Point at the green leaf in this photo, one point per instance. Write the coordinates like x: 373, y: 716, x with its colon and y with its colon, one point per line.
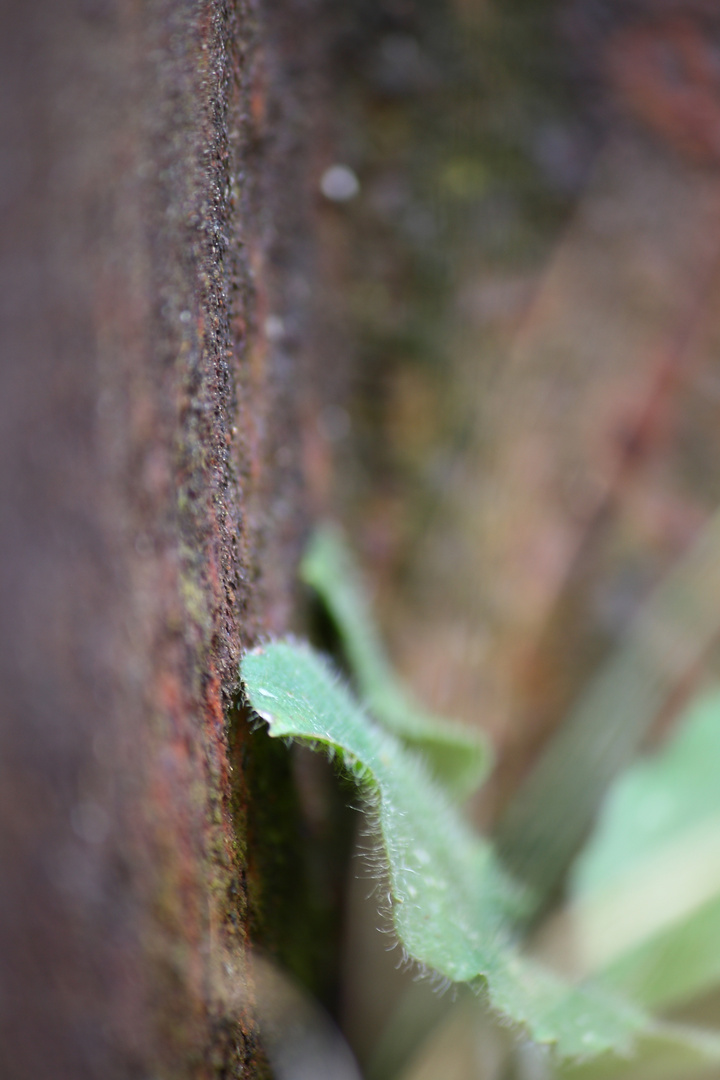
x: 646, y: 891
x: 452, y: 905
x: 664, y: 1052
x: 460, y: 758
x: 674, y: 965
x: 658, y: 800
x: 663, y: 649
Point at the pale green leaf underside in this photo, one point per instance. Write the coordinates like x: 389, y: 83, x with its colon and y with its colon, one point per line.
x: 452, y: 905
x: 460, y: 758
x: 646, y: 891
x: 658, y: 799
x: 663, y: 1052
x: 662, y: 650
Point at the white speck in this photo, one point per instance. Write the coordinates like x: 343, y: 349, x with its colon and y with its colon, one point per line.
x: 422, y: 856
x: 274, y: 328
x: 411, y: 891
x: 185, y: 316
x: 266, y: 693
x: 339, y: 183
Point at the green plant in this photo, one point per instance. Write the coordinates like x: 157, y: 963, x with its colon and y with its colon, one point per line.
x: 455, y: 908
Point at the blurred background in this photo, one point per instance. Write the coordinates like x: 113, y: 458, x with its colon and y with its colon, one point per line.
x: 519, y: 206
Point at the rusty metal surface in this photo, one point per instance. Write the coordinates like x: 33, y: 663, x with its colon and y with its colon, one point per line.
x: 148, y: 529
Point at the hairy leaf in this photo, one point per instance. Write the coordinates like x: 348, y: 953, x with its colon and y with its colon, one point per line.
x: 460, y: 758
x: 452, y: 905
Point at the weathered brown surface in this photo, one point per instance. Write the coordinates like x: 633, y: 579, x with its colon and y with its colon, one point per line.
x: 141, y: 419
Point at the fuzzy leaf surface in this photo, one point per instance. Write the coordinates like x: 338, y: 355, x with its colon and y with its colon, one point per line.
x: 460, y: 758
x: 453, y: 906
